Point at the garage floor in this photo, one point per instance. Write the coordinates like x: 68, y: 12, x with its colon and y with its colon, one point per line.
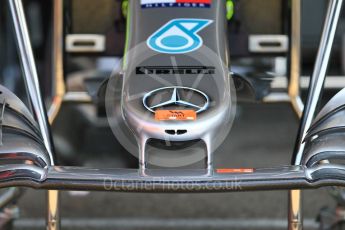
x: 263, y: 136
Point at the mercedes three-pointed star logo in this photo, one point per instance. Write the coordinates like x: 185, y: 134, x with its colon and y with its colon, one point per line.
x: 176, y: 99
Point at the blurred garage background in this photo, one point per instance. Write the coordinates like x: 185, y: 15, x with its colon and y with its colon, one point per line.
x: 263, y: 134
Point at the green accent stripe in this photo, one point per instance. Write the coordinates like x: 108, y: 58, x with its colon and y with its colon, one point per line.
x: 128, y: 23
x: 230, y: 9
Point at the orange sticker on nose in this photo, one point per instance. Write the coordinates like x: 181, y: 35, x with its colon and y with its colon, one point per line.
x: 240, y: 170
x: 175, y: 115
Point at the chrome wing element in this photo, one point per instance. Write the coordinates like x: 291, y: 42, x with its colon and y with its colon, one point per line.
x: 25, y: 162
x: 20, y: 139
x: 326, y: 137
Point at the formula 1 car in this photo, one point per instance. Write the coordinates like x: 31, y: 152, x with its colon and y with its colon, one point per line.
x: 171, y: 104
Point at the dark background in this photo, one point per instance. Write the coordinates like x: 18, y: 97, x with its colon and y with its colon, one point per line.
x: 263, y: 135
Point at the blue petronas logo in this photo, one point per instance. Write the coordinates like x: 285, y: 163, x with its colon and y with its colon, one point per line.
x: 178, y: 36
